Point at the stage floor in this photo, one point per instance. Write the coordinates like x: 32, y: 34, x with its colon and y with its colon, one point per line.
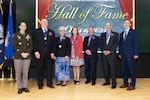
x: 8, y: 91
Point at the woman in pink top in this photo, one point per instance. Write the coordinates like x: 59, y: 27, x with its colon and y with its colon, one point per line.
x: 76, y: 58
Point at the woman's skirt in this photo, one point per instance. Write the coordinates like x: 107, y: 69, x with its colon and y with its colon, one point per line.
x: 62, y: 69
x: 76, y: 62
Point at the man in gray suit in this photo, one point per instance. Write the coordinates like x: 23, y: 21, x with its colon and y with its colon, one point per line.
x: 108, y: 45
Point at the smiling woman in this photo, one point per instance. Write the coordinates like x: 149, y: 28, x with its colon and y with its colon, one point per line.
x: 22, y: 45
x: 142, y: 25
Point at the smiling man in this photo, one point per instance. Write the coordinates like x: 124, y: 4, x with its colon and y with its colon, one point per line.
x: 128, y: 52
x: 108, y: 45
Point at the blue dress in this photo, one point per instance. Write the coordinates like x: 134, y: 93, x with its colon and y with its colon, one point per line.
x: 62, y: 69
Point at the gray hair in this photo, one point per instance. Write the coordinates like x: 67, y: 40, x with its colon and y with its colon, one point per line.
x: 61, y: 28
x: 91, y: 27
x: 108, y: 23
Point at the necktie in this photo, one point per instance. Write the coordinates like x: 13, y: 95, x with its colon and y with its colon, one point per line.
x: 45, y: 32
x: 124, y: 35
x: 89, y: 39
x: 107, y: 37
x: 60, y: 40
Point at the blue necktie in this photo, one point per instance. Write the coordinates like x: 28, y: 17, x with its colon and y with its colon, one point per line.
x: 60, y: 40
x: 45, y: 32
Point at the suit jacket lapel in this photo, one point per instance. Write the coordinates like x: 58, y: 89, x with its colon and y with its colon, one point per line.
x: 92, y: 39
x: 105, y: 38
x: 129, y: 32
x: 111, y: 37
x: 41, y: 31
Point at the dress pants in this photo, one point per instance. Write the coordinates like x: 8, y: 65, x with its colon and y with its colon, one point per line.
x: 43, y: 63
x: 90, y: 69
x: 128, y: 64
x: 21, y: 70
x: 109, y: 67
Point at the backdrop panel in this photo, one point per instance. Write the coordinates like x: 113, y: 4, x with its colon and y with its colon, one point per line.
x: 84, y: 13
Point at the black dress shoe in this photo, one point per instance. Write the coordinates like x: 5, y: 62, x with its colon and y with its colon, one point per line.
x: 86, y: 82
x: 20, y: 91
x: 25, y: 89
x: 106, y: 83
x: 40, y: 87
x: 75, y: 81
x: 63, y: 85
x: 113, y: 86
x: 93, y: 83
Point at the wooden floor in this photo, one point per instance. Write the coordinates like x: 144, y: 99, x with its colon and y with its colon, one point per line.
x: 8, y: 91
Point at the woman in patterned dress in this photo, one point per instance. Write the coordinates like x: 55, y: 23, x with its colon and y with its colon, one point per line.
x: 76, y: 58
x: 62, y: 53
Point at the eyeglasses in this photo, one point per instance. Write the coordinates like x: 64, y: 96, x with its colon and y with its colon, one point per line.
x: 61, y: 30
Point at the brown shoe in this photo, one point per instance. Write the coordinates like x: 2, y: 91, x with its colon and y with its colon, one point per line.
x: 130, y: 88
x: 51, y: 87
x: 124, y: 86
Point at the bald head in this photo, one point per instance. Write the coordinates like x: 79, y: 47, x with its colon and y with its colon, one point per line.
x: 44, y: 23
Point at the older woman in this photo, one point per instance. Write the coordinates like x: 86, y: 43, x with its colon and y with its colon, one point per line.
x: 76, y: 53
x: 22, y: 44
x: 62, y: 53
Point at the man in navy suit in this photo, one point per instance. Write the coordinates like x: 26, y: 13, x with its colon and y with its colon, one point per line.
x: 128, y: 52
x: 90, y: 46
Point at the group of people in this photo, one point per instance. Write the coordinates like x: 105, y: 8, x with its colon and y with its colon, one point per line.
x: 63, y: 52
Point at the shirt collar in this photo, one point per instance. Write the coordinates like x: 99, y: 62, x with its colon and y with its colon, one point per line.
x: 108, y: 32
x: 90, y: 35
x: 44, y: 29
x: 127, y: 30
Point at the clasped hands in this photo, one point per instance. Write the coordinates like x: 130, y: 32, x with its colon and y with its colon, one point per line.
x: 25, y: 55
x: 88, y: 52
x: 106, y: 52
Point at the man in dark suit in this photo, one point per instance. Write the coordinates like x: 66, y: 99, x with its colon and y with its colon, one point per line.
x: 90, y: 46
x: 128, y: 52
x: 44, y: 47
x: 108, y: 45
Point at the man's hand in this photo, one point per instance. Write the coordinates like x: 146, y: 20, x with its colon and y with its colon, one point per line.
x: 52, y: 55
x: 88, y: 52
x: 66, y: 57
x: 77, y: 57
x: 119, y: 56
x: 136, y: 56
x: 37, y: 55
x: 106, y: 52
